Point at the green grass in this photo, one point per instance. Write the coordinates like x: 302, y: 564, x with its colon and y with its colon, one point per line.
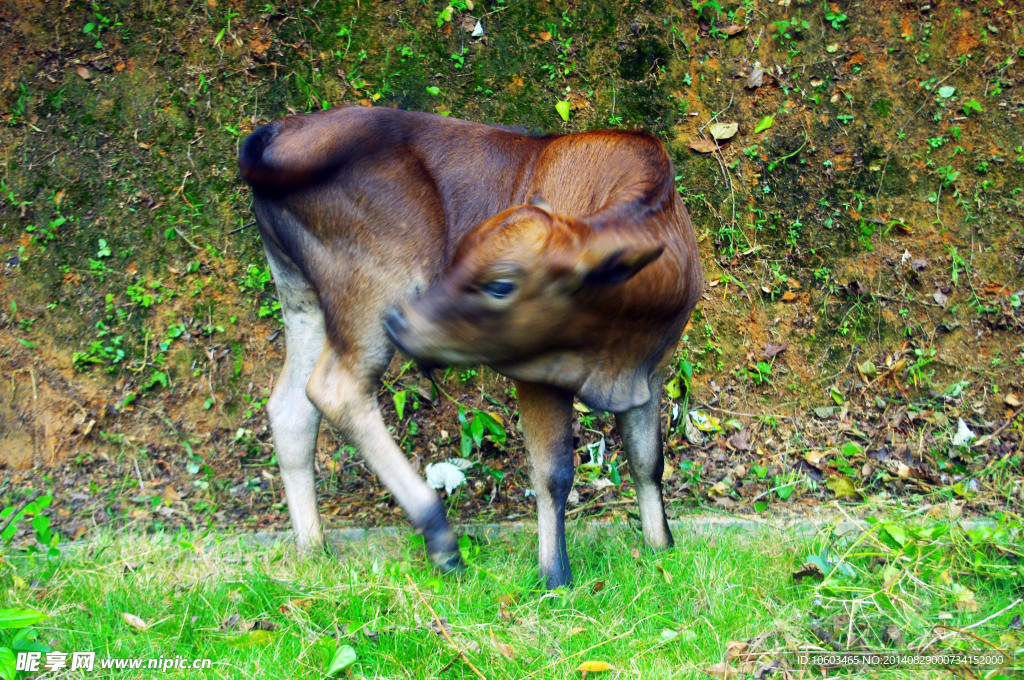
x: 262, y: 612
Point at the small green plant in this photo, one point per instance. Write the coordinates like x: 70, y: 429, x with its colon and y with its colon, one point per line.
x: 787, y: 31
x: 971, y: 105
x: 835, y: 18
x: 948, y: 175
x: 103, y: 23
x: 18, y: 111
x: 445, y: 15
x: 690, y: 471
x: 784, y: 485
x: 226, y: 29
x: 17, y: 636
x: 478, y: 425
x: 680, y: 384
x: 922, y: 357
x: 145, y: 294
x: 708, y: 6
x: 793, y: 233
x: 758, y: 373
x: 109, y: 352
x: 957, y: 265
x: 45, y: 539
x: 255, y: 279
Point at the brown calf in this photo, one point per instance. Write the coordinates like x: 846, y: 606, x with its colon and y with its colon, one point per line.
x: 568, y: 263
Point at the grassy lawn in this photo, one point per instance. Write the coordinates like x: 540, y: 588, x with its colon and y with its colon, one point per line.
x: 749, y: 599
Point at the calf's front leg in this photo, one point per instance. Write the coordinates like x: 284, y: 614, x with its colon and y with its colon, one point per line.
x: 546, y: 415
x: 344, y: 392
x: 641, y: 438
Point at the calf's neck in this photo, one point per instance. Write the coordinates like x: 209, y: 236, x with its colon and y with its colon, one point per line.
x: 567, y: 263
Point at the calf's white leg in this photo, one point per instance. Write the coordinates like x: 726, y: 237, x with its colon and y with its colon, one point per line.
x: 294, y: 420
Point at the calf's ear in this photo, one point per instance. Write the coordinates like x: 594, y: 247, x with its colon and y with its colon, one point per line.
x: 620, y: 264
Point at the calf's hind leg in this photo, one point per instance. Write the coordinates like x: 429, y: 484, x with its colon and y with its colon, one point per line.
x: 641, y: 438
x: 344, y: 388
x: 294, y: 421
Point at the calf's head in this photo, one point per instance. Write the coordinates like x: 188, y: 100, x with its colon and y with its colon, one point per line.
x: 523, y: 283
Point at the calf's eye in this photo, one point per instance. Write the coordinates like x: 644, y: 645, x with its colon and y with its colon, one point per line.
x: 499, y: 288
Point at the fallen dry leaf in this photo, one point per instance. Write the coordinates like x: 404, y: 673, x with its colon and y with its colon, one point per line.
x: 83, y: 73
x: 740, y: 441
x: 756, y: 77
x: 722, y: 670
x: 718, y: 488
x: 732, y: 29
x: 965, y: 601
x: 808, y: 569
x: 735, y: 648
x: 505, y: 650
x: 842, y: 487
x: 946, y: 511
x: 134, y: 621
x: 441, y: 626
x: 723, y: 130
x: 664, y: 574
x: 594, y: 667
x: 230, y: 622
x: 894, y: 636
x: 702, y: 145
x: 724, y: 502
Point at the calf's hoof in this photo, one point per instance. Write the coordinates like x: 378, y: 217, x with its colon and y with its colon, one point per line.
x: 555, y: 580
x: 442, y: 548
x: 448, y: 561
x: 443, y: 552
x: 311, y: 544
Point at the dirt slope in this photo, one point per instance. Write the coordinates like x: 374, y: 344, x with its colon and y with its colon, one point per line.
x: 862, y: 232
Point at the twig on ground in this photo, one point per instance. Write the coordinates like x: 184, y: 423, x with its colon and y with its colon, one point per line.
x: 966, y: 631
x: 995, y: 433
x: 244, y: 226
x: 591, y: 506
x: 444, y: 631
x: 186, y: 240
